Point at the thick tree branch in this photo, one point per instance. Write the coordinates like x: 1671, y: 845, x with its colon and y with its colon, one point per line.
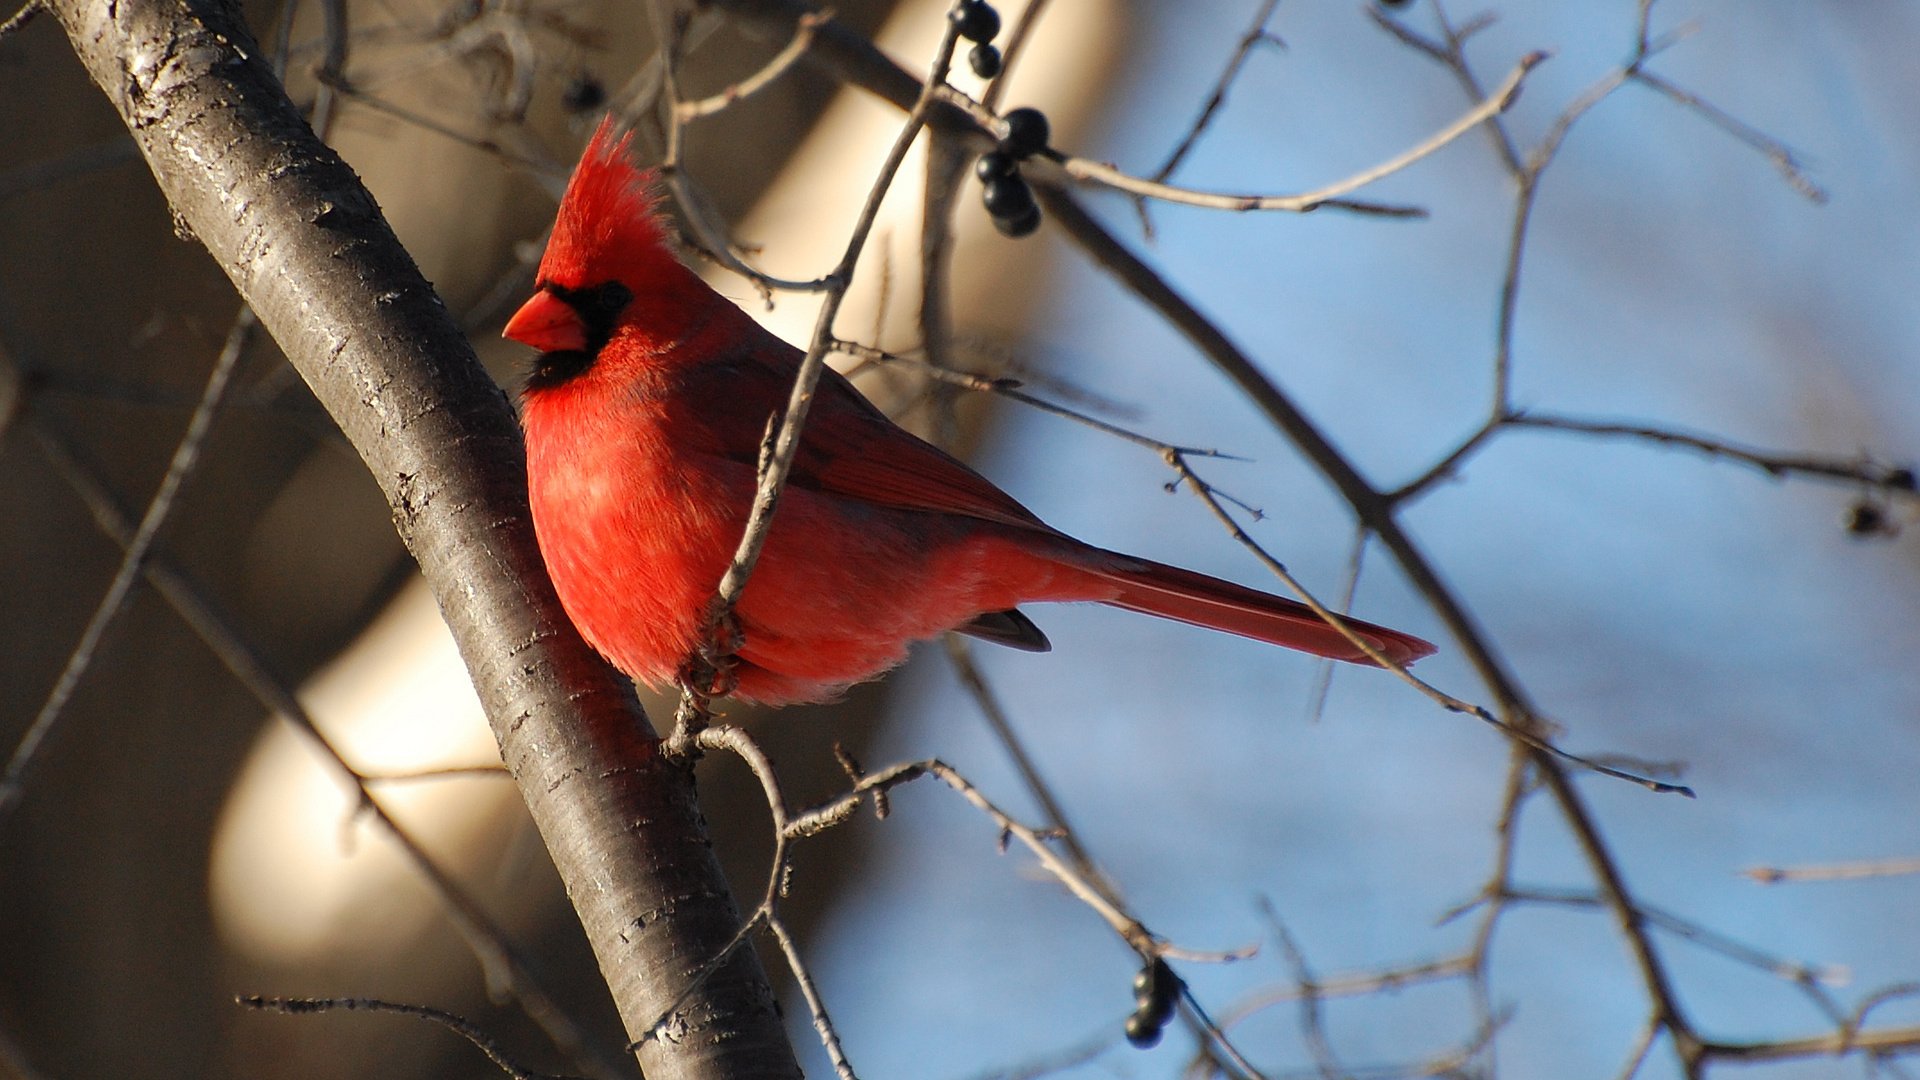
x: 309, y: 251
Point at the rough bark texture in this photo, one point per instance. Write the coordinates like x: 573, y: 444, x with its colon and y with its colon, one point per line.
x: 306, y: 246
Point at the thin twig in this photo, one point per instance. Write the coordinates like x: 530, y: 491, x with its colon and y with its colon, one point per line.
x: 1017, y: 41
x: 675, y: 30
x: 767, y: 914
x: 1349, y: 593
x: 1312, y: 1030
x: 1847, y: 871
x: 961, y: 656
x: 459, y: 1025
x: 777, y: 460
x: 1256, y: 35
x: 505, y: 970
x: 19, y: 19
x: 1358, y: 984
x: 1893, y: 479
x: 1377, y: 514
x: 1496, y: 103
x: 1523, y: 735
x: 1887, y: 1041
x: 1642, y: 1047
x: 1450, y: 463
x: 1777, y: 152
x: 1010, y: 389
x: 686, y: 111
x: 1122, y: 923
x: 1807, y: 977
x: 97, y: 157
x: 449, y: 772
x: 545, y: 168
x: 186, y: 457
x: 816, y: 1005
x: 1074, y: 1054
x: 331, y: 71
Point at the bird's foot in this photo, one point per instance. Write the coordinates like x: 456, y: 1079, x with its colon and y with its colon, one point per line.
x: 706, y: 674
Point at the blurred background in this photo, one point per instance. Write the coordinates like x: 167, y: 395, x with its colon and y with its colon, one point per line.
x: 176, y: 845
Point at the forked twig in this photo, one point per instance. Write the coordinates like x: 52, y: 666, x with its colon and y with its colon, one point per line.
x: 1330, y: 194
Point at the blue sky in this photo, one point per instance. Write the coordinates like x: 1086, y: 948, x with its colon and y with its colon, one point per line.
x: 1656, y: 604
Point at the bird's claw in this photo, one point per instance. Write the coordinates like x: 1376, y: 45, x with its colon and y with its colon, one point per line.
x: 710, y: 670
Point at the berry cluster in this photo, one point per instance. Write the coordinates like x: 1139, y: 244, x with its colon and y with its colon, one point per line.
x: 1155, y: 992
x: 976, y: 21
x: 1009, y: 200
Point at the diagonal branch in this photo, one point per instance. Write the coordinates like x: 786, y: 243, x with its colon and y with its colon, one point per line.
x: 308, y: 250
x: 783, y: 440
x: 858, y: 62
x: 1376, y: 512
x: 186, y: 457
x: 505, y: 967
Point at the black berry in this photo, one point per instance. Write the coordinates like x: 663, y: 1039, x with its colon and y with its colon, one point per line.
x: 991, y: 164
x: 984, y: 59
x: 975, y: 20
x: 1155, y: 991
x: 1020, y: 226
x: 1027, y: 133
x: 1008, y: 197
x: 1143, y: 1033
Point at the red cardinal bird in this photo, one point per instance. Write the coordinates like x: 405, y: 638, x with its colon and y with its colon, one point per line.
x: 644, y: 415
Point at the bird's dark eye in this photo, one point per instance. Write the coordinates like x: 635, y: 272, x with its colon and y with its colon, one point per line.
x: 599, y: 307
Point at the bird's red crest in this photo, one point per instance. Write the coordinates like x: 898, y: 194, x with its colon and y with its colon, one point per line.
x: 609, y: 225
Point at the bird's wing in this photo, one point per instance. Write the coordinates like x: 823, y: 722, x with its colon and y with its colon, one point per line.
x: 850, y: 448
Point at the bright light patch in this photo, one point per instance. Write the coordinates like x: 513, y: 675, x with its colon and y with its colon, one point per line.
x: 296, y: 873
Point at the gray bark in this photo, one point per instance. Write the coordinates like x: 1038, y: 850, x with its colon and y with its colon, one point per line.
x: 307, y: 247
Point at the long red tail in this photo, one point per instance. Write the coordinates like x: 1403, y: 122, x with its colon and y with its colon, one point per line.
x: 1184, y: 596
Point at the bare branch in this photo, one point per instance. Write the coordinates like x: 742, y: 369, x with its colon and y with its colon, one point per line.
x: 1017, y: 41
x: 1848, y: 871
x: 1524, y: 734
x: 675, y: 31
x: 19, y: 19
x: 1888, y: 1041
x: 460, y: 1026
x: 1377, y: 514
x: 1777, y: 152
x: 777, y: 457
x: 505, y: 970
x: 1257, y: 34
x: 1893, y: 479
x: 186, y: 456
x: 1329, y: 195
x: 783, y: 60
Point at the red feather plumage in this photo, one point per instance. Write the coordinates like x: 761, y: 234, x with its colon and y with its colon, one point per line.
x: 644, y: 418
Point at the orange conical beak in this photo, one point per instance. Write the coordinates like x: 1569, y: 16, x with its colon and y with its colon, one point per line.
x: 547, y: 323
